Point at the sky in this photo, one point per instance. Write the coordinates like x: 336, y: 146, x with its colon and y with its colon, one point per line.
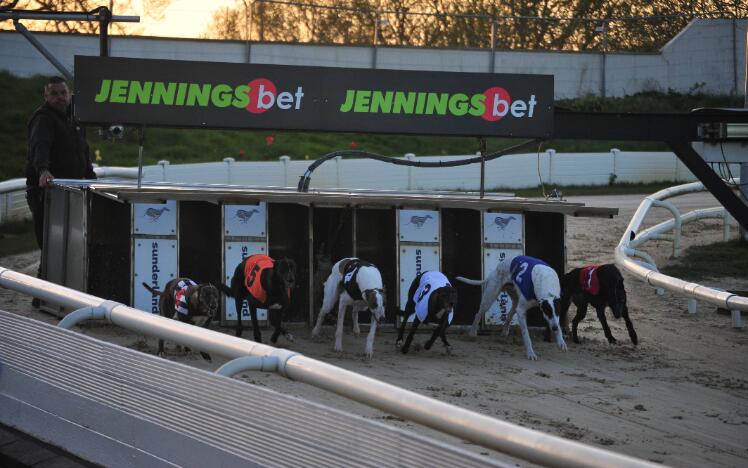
x: 182, y: 18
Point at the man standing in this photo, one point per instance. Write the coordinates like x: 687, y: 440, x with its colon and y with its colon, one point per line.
x: 56, y: 148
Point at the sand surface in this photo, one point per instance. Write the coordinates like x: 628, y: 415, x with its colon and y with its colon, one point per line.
x: 680, y: 397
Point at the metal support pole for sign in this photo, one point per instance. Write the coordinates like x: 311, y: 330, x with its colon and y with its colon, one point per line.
x: 249, y: 5
x: 43, y: 50
x: 141, y: 141
x: 105, y: 17
x: 743, y: 166
x: 492, y: 66
x: 376, y: 40
x: 482, y: 166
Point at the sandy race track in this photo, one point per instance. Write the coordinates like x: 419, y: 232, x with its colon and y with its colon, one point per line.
x: 679, y: 398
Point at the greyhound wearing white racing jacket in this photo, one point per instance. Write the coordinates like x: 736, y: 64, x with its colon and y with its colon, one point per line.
x: 534, y: 284
x: 357, y: 284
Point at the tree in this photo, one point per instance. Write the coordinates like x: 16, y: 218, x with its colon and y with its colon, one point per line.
x: 521, y: 24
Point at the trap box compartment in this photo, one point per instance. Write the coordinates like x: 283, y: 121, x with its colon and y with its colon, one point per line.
x: 244, y: 234
x: 155, y: 252
x: 92, y: 228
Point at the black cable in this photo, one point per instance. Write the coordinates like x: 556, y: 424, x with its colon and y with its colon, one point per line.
x: 305, y: 179
x: 729, y: 181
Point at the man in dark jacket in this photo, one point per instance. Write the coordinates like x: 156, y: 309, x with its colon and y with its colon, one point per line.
x: 56, y: 148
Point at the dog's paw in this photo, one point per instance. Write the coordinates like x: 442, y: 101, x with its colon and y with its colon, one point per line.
x: 290, y: 338
x: 612, y: 340
x: 532, y: 356
x: 368, y: 353
x: 162, y: 354
x: 338, y: 348
x: 562, y: 346
x: 398, y: 344
x: 315, y: 331
x: 448, y: 350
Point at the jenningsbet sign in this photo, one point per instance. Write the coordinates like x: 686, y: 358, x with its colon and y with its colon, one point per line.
x: 228, y: 95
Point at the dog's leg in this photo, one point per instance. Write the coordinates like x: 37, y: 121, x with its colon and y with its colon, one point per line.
x: 205, y: 325
x: 274, y: 316
x: 369, y: 350
x: 332, y: 293
x: 430, y: 342
x: 161, y: 352
x: 522, y: 318
x: 238, y: 302
x: 401, y: 331
x: 509, y: 318
x: 342, y: 306
x: 255, y: 323
x: 630, y: 326
x: 443, y: 335
x: 581, y: 313
x: 354, y: 317
x: 490, y: 293
x: 606, y: 329
x: 514, y: 296
x: 563, y: 314
x: 406, y: 346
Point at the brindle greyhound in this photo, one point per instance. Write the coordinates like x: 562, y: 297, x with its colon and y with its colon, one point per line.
x: 184, y: 300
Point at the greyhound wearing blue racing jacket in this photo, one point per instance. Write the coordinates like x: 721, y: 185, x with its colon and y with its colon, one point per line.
x: 532, y: 283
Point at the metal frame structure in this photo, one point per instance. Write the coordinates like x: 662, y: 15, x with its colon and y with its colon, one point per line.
x: 101, y: 14
x: 678, y: 131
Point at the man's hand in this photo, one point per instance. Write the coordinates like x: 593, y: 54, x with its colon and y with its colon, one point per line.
x: 45, y: 178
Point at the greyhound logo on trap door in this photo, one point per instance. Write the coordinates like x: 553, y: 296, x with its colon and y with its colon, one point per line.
x: 244, y: 215
x: 155, y: 213
x: 502, y: 222
x: 419, y: 221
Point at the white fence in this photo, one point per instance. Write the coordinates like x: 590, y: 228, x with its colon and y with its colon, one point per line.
x: 508, y: 172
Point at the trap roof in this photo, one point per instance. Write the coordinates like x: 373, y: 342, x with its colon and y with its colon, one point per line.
x: 219, y: 193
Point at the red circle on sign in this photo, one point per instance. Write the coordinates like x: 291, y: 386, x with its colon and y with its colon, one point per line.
x: 498, y: 97
x: 268, y: 95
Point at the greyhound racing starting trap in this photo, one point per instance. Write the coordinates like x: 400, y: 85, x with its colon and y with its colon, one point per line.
x: 106, y: 238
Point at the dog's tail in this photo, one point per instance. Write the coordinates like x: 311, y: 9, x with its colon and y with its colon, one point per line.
x: 153, y: 291
x: 225, y: 289
x: 470, y: 281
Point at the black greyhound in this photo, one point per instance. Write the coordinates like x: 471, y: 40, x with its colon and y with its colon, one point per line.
x: 265, y: 284
x: 436, y: 305
x: 601, y: 286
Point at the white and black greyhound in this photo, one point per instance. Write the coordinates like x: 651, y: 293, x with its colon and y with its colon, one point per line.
x: 538, y: 285
x: 357, y: 284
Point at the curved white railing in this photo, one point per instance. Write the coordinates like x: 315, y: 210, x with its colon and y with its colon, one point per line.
x: 13, y: 191
x: 647, y: 270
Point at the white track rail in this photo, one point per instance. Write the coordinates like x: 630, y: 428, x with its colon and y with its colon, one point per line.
x: 537, y: 447
x: 647, y: 270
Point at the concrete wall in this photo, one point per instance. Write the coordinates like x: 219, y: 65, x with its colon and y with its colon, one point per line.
x: 706, y: 51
